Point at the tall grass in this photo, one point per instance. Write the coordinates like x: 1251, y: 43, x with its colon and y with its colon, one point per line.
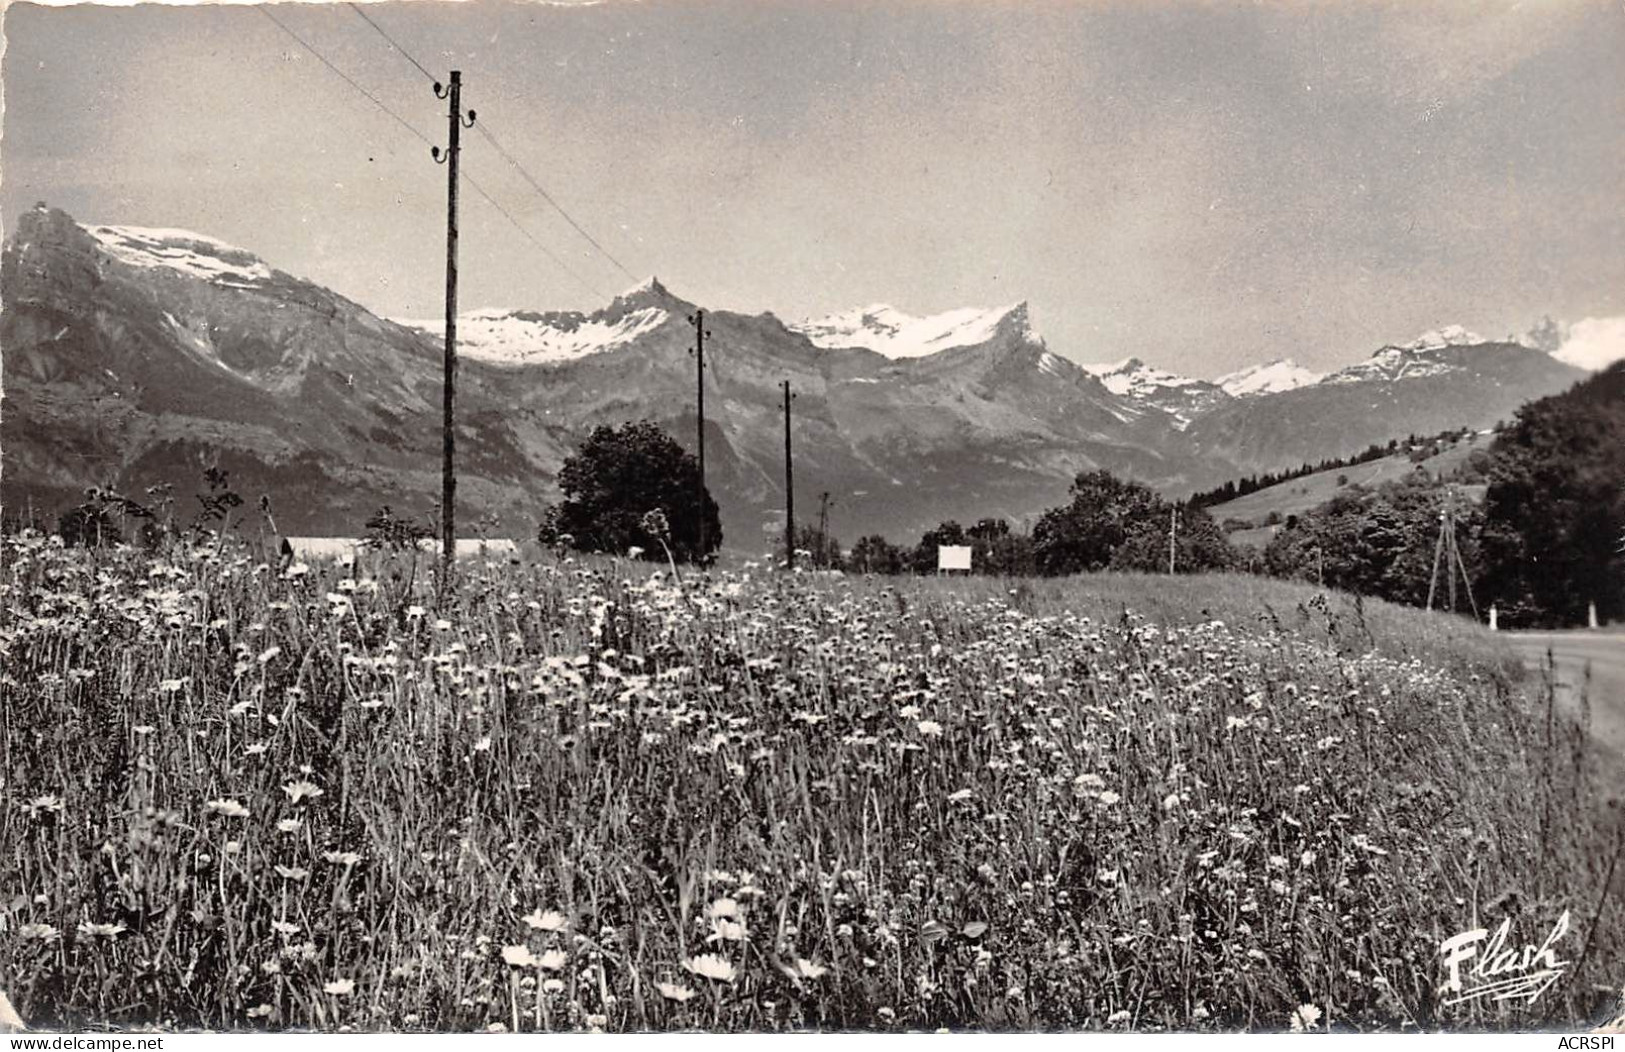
x: 587, y: 796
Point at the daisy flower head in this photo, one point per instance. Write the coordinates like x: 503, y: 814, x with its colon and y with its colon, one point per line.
x: 50, y: 804
x: 723, y: 908
x: 731, y: 930
x: 302, y: 790
x: 710, y: 966
x: 805, y: 969
x: 551, y: 920
x: 41, y: 932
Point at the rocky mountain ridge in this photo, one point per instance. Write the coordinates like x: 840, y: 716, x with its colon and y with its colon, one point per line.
x: 135, y: 356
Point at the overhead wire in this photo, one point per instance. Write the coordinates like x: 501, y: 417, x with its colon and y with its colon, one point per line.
x: 406, y: 54
x: 535, y: 184
x: 490, y: 138
x: 403, y: 122
x: 561, y: 264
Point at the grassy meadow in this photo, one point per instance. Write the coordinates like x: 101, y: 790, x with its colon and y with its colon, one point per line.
x: 580, y: 795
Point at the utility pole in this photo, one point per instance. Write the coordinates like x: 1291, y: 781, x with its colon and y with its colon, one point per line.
x: 1450, y: 545
x: 789, y: 488
x: 821, y: 558
x: 1448, y: 552
x: 1173, y: 532
x: 1439, y: 549
x: 697, y: 319
x: 448, y: 479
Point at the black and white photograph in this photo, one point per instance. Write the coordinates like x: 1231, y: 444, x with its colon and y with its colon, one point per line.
x: 669, y: 517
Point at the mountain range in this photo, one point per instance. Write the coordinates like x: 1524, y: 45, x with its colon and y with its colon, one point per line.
x: 135, y: 356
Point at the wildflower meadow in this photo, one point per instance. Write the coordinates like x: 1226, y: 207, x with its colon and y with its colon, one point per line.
x: 595, y: 795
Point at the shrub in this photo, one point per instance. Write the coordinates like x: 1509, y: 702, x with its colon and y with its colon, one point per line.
x: 618, y: 476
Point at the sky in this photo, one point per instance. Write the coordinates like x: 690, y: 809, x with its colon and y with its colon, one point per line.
x: 1202, y: 185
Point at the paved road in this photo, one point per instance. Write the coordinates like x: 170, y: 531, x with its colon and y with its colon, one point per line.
x: 1574, y: 654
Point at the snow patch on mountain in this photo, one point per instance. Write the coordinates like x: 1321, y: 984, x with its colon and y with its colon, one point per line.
x: 1134, y: 379
x: 1099, y: 369
x: 1282, y: 374
x: 1448, y: 336
x: 195, y: 338
x: 889, y: 331
x: 1390, y: 363
x: 1181, y: 397
x: 509, y: 337
x: 1410, y: 361
x: 192, y: 254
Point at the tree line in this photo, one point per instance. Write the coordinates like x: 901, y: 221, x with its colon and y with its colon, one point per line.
x: 620, y: 473
x: 1418, y: 447
x: 1544, y: 544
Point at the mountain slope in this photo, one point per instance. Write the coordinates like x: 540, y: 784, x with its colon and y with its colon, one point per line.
x: 136, y: 356
x: 1424, y: 387
x: 139, y: 357
x: 1181, y: 397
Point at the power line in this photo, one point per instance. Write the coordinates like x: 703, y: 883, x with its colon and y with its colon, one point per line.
x: 507, y: 156
x: 561, y: 264
x: 404, y: 53
x: 476, y: 187
x: 342, y: 75
x: 549, y: 199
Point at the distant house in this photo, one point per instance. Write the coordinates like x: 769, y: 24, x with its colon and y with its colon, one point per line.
x: 473, y: 546
x: 345, y: 550
x: 321, y: 549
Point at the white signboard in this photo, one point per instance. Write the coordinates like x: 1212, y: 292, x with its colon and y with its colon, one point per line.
x: 953, y: 557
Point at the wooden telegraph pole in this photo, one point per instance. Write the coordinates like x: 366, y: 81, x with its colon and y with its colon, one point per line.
x: 789, y: 487
x: 448, y: 479
x: 821, y: 560
x: 697, y: 319
x: 1447, y: 553
x: 1173, y: 533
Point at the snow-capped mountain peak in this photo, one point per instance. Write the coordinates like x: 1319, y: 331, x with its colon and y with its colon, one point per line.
x: 504, y: 337
x: 886, y: 330
x: 1413, y: 360
x: 1134, y: 378
x: 192, y: 254
x: 1181, y: 397
x: 648, y: 284
x: 1447, y: 336
x: 1282, y: 374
